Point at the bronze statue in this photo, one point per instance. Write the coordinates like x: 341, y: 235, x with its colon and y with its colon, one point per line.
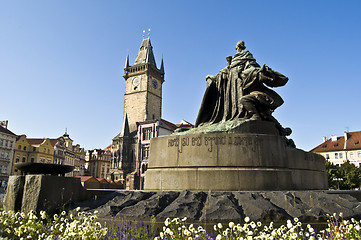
x: 239, y: 91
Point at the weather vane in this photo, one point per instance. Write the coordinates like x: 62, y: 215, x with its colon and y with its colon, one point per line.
x: 148, y: 32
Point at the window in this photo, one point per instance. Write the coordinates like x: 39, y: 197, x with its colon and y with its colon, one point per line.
x: 34, y: 149
x: 327, y: 156
x: 24, y: 148
x: 336, y: 155
x: 32, y: 159
x: 340, y: 155
x: 1, y: 142
x: 2, y: 155
x: 24, y: 158
x: 17, y: 159
x: 11, y: 144
x: 351, y: 154
x: 6, y: 143
x: 359, y: 154
x: 147, y: 133
x: 19, y: 147
x: 145, y: 152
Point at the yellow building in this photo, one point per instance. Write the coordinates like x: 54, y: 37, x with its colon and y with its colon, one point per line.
x: 38, y: 150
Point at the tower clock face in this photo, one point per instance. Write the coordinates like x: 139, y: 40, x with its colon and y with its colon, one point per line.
x: 136, y: 81
x: 155, y: 83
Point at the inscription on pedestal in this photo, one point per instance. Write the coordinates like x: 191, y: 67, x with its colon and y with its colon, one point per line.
x: 197, y: 141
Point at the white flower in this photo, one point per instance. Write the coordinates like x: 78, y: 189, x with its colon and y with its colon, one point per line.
x: 246, y: 219
x: 42, y: 214
x: 219, y: 225
x: 77, y: 209
x: 231, y: 225
x: 219, y: 237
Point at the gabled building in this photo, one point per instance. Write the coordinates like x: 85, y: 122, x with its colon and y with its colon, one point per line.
x: 7, y: 146
x: 97, y: 162
x: 340, y: 149
x: 59, y: 150
x: 36, y: 150
x: 74, y: 156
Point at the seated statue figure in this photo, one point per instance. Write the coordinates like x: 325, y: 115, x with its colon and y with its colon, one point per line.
x: 239, y: 91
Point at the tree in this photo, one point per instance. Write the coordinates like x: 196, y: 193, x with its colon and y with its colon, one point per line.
x: 348, y: 172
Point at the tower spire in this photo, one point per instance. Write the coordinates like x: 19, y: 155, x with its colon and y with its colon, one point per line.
x: 145, y: 54
x: 162, y: 66
x: 127, y: 62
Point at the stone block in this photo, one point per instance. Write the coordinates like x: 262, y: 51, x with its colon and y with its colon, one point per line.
x: 14, y: 193
x: 44, y: 192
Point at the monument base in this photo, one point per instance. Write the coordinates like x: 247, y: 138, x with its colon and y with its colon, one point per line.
x: 42, y: 192
x: 225, y: 206
x: 231, y: 161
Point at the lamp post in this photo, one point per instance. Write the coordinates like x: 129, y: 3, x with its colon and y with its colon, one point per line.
x: 338, y: 180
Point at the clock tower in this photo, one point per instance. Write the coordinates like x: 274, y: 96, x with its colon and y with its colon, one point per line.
x: 143, y: 87
x: 142, y: 102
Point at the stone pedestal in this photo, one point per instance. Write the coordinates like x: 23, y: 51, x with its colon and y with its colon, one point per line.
x: 42, y: 192
x: 224, y: 161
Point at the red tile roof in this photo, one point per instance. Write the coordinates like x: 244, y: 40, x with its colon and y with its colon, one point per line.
x: 353, y: 143
x: 169, y: 124
x: 102, y: 180
x: 35, y: 141
x: 87, y: 178
x: 109, y: 147
x: 184, y: 123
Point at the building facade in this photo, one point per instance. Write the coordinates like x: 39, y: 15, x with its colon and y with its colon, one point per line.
x: 146, y: 131
x: 55, y: 151
x: 35, y: 150
x: 7, y: 146
x: 142, y: 102
x: 59, y: 150
x: 340, y: 149
x: 98, y: 162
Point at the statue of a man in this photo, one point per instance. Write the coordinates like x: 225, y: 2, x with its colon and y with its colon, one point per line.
x: 238, y: 91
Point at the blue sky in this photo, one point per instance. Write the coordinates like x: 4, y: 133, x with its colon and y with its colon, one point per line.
x: 61, y: 61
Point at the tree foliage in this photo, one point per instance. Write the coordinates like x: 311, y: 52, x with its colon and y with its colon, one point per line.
x: 348, y: 172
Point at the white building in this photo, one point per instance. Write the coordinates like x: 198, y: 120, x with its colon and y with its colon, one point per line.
x: 7, y: 145
x: 338, y: 150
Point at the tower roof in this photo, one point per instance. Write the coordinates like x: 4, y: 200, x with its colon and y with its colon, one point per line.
x: 145, y: 54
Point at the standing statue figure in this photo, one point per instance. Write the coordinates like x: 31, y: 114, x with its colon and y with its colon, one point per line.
x: 239, y: 91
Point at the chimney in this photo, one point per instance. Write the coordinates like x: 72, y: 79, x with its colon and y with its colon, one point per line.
x: 333, y: 138
x: 4, y: 124
x: 346, y: 138
x: 324, y: 139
